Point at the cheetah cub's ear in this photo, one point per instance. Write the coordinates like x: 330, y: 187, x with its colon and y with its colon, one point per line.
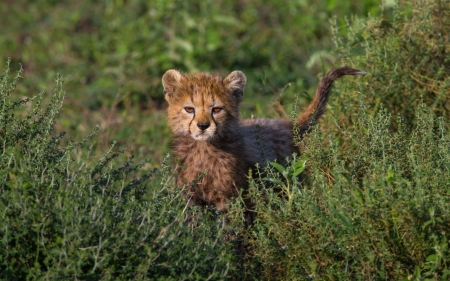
x: 170, y: 82
x: 235, y: 83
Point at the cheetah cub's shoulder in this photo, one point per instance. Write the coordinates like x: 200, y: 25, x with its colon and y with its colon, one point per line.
x: 214, y: 147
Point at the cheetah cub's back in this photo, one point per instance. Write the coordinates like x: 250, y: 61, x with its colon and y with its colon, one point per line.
x: 216, y: 149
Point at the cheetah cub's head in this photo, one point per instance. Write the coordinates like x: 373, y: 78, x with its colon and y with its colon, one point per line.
x: 204, y: 106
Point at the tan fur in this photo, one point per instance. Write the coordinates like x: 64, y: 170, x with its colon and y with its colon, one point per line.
x: 214, y: 147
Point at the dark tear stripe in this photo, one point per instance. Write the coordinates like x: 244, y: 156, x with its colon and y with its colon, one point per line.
x: 192, y: 101
x: 191, y: 122
x: 215, y: 123
x: 190, y: 126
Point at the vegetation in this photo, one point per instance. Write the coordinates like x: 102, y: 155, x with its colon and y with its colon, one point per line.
x: 67, y: 215
x: 374, y: 202
x: 408, y: 55
x: 376, y: 211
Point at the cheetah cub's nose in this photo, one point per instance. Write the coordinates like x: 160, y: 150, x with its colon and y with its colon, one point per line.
x: 203, y: 126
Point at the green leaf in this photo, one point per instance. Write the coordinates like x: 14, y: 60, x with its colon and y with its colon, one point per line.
x: 278, y: 166
x: 300, y: 167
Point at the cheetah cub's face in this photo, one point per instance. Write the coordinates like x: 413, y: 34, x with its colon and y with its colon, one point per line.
x: 203, y: 106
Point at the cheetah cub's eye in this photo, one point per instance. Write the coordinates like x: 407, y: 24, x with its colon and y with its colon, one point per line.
x: 216, y: 109
x: 189, y: 110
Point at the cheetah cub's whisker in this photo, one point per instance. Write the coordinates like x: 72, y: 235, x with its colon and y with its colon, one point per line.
x: 210, y: 137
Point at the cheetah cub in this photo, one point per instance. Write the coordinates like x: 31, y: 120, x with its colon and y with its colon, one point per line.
x: 214, y: 147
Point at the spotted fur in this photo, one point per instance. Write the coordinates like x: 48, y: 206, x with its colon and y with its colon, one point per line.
x: 214, y: 147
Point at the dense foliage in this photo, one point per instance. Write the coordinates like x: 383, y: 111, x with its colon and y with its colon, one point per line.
x: 375, y: 207
x: 67, y: 215
x: 410, y: 55
x: 375, y: 200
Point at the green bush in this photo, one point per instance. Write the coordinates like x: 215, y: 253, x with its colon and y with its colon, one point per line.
x: 408, y: 59
x: 68, y: 215
x: 377, y: 210
x: 375, y: 202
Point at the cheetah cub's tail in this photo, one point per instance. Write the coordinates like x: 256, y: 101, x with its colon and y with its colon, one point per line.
x: 317, y: 107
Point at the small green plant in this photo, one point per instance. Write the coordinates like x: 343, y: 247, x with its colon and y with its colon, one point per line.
x: 290, y: 175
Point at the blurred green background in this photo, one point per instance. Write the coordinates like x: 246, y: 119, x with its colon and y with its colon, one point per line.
x: 112, y: 54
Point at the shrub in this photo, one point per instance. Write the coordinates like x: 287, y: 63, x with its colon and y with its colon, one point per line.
x: 408, y: 59
x: 377, y: 210
x: 375, y: 201
x: 68, y: 215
